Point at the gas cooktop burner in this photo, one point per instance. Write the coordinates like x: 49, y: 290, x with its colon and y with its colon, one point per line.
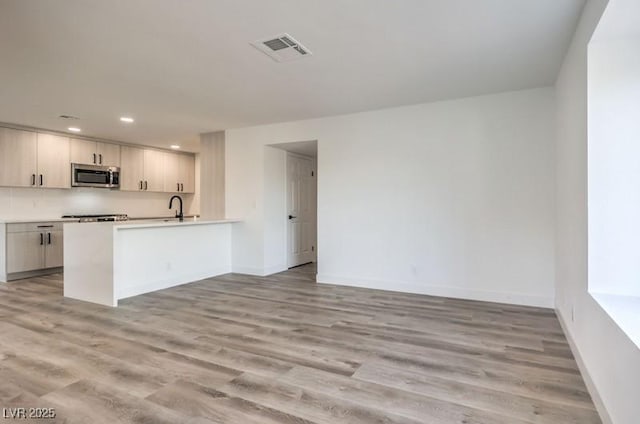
x: 98, y: 218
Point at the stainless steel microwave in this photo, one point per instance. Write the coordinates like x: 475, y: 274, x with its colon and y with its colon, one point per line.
x: 95, y: 176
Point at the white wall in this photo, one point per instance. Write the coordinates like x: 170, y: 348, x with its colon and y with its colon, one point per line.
x: 451, y: 198
x: 609, y: 360
x: 614, y: 168
x: 27, y: 203
x: 275, y: 196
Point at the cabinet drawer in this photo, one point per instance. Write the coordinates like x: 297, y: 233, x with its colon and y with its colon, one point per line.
x: 28, y: 227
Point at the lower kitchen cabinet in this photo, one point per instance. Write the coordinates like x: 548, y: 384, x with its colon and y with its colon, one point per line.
x: 32, y: 246
x: 25, y: 251
x: 54, y: 250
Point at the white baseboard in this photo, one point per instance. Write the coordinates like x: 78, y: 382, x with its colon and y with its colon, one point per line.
x: 275, y: 269
x: 259, y: 272
x: 588, y: 381
x: 455, y: 292
x: 4, y: 278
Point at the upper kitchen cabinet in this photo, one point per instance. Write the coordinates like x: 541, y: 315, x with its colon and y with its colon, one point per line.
x: 153, y: 170
x: 32, y: 159
x: 142, y: 169
x: 131, y: 168
x: 171, y: 164
x: 53, y: 161
x: 179, y: 173
x: 18, y: 155
x: 94, y: 152
x: 187, y: 173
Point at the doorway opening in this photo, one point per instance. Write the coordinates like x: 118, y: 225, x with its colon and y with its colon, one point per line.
x: 300, y: 217
x: 300, y: 176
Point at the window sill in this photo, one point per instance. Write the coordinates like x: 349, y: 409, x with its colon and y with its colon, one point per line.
x: 624, y: 310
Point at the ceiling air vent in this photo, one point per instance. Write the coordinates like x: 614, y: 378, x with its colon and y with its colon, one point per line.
x: 282, y: 48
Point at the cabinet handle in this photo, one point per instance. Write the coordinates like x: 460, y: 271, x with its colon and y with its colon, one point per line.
x: 41, y: 239
x: 48, y: 238
x: 100, y: 156
x: 178, y: 186
x: 33, y: 179
x: 41, y: 180
x: 146, y: 185
x: 181, y: 187
x: 140, y: 184
x: 45, y: 226
x: 94, y: 158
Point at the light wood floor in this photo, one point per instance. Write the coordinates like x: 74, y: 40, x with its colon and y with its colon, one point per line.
x: 239, y: 349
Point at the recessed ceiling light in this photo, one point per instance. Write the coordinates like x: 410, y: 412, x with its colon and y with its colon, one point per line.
x: 174, y: 146
x: 126, y: 119
x: 74, y: 129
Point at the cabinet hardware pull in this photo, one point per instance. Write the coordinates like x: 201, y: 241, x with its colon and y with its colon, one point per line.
x: 41, y: 180
x: 45, y: 226
x: 33, y: 179
x: 181, y: 187
x: 41, y: 239
x: 100, y: 156
x: 48, y: 238
x: 146, y: 185
x: 178, y: 186
x: 140, y: 184
x: 94, y: 158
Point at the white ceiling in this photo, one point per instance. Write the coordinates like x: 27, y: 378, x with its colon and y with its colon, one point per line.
x: 185, y: 67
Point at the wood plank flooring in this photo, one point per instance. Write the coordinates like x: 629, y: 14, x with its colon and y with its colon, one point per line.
x: 282, y: 349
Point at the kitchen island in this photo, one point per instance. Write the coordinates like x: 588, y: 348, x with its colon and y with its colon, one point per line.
x: 107, y: 261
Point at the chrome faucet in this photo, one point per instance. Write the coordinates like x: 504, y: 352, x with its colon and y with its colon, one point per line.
x: 178, y: 215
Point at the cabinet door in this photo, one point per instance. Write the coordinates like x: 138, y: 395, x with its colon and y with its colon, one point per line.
x: 108, y: 154
x: 53, y: 252
x: 54, y: 169
x: 153, y: 170
x: 17, y: 158
x: 131, y: 168
x: 83, y: 151
x: 187, y: 173
x: 171, y: 172
x: 25, y: 251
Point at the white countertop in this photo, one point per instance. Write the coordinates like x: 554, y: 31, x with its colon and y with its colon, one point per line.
x: 125, y: 225
x: 28, y: 220
x: 108, y: 261
x: 154, y: 223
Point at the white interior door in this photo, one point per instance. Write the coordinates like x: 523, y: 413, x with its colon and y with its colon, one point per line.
x: 300, y: 203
